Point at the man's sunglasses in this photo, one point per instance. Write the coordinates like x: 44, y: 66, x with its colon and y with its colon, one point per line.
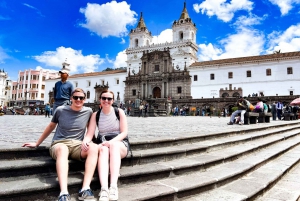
x: 106, y: 98
x: 78, y: 97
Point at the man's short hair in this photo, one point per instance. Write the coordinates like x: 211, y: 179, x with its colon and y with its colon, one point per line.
x: 78, y: 90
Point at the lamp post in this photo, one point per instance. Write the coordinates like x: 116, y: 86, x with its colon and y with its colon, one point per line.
x: 17, y: 84
x: 26, y: 92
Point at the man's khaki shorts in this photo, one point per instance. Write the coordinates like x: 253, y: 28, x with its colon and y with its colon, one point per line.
x: 74, y: 147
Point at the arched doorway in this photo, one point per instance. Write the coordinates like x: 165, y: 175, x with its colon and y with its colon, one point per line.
x: 156, y: 92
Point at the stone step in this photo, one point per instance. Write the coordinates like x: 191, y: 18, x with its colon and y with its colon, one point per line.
x: 287, y: 188
x: 40, y: 165
x: 253, y: 185
x: 281, y: 156
x: 140, y: 173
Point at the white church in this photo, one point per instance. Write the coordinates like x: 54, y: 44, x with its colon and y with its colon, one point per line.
x: 270, y: 75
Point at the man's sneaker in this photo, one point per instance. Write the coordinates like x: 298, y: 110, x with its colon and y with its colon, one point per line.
x: 230, y: 123
x: 103, y: 195
x: 64, y: 197
x: 241, y: 123
x: 86, y: 194
x: 113, y: 193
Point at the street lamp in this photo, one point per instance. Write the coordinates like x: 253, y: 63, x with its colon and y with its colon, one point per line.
x: 26, y: 92
x: 17, y: 84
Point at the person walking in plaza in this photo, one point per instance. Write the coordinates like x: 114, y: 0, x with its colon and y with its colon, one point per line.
x: 279, y: 107
x: 113, y: 144
x: 273, y: 111
x: 141, y: 107
x: 69, y: 141
x: 62, y: 90
x: 146, y: 109
x: 242, y: 107
x: 47, y: 110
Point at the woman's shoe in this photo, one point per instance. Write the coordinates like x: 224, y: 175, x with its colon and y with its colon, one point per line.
x: 230, y: 123
x: 104, y: 195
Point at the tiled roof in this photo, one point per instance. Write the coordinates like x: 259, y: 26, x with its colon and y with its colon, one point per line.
x: 98, y: 73
x: 251, y: 59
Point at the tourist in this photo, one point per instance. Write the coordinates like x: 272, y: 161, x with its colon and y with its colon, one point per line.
x: 279, y: 107
x: 47, y: 110
x: 141, y: 107
x: 242, y: 107
x: 113, y: 144
x: 62, y: 90
x: 259, y: 107
x: 69, y: 141
x: 274, y: 111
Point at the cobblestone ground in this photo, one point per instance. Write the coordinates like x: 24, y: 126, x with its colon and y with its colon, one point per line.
x: 15, y: 130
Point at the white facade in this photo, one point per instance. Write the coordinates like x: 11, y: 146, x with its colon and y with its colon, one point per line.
x: 270, y: 75
x: 183, y: 48
x: 87, y: 81
x: 3, y: 88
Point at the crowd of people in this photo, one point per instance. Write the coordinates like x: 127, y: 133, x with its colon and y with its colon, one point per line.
x: 277, y: 109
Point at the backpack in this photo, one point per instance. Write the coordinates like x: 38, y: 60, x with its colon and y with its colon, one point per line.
x: 96, y: 140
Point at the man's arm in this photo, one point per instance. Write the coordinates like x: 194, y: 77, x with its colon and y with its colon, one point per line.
x: 51, y: 126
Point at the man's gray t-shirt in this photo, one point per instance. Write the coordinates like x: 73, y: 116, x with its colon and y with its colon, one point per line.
x: 71, y: 124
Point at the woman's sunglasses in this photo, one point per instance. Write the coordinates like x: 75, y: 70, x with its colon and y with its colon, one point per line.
x: 78, y: 97
x: 106, y: 98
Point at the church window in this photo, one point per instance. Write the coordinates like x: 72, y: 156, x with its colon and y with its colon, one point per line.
x: 224, y: 95
x: 248, y: 73
x: 117, y: 81
x: 179, y: 90
x: 291, y: 93
x: 212, y: 76
x: 156, y: 68
x: 181, y: 35
x: 230, y: 75
x: 88, y: 94
x: 235, y: 94
x: 88, y: 83
x: 134, y: 92
x: 147, y: 42
x: 42, y: 95
x: 193, y: 37
x: 289, y: 70
x: 136, y: 42
x: 268, y: 72
x: 195, y: 77
x: 76, y: 84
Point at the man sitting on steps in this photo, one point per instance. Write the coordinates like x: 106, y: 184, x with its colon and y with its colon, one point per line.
x: 68, y: 141
x: 242, y: 107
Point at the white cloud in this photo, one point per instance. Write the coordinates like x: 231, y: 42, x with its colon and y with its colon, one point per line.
x: 34, y: 8
x: 244, y: 21
x: 164, y: 36
x: 77, y: 61
x: 121, y: 59
x: 285, y: 5
x: 245, y: 42
x: 224, y: 11
x: 208, y: 52
x: 110, y: 19
x: 287, y: 41
x: 45, y: 69
x: 122, y: 41
x: 3, y: 55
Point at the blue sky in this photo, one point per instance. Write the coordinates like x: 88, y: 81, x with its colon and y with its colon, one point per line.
x: 93, y: 35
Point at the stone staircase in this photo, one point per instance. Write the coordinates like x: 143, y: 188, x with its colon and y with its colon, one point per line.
x: 255, y: 164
